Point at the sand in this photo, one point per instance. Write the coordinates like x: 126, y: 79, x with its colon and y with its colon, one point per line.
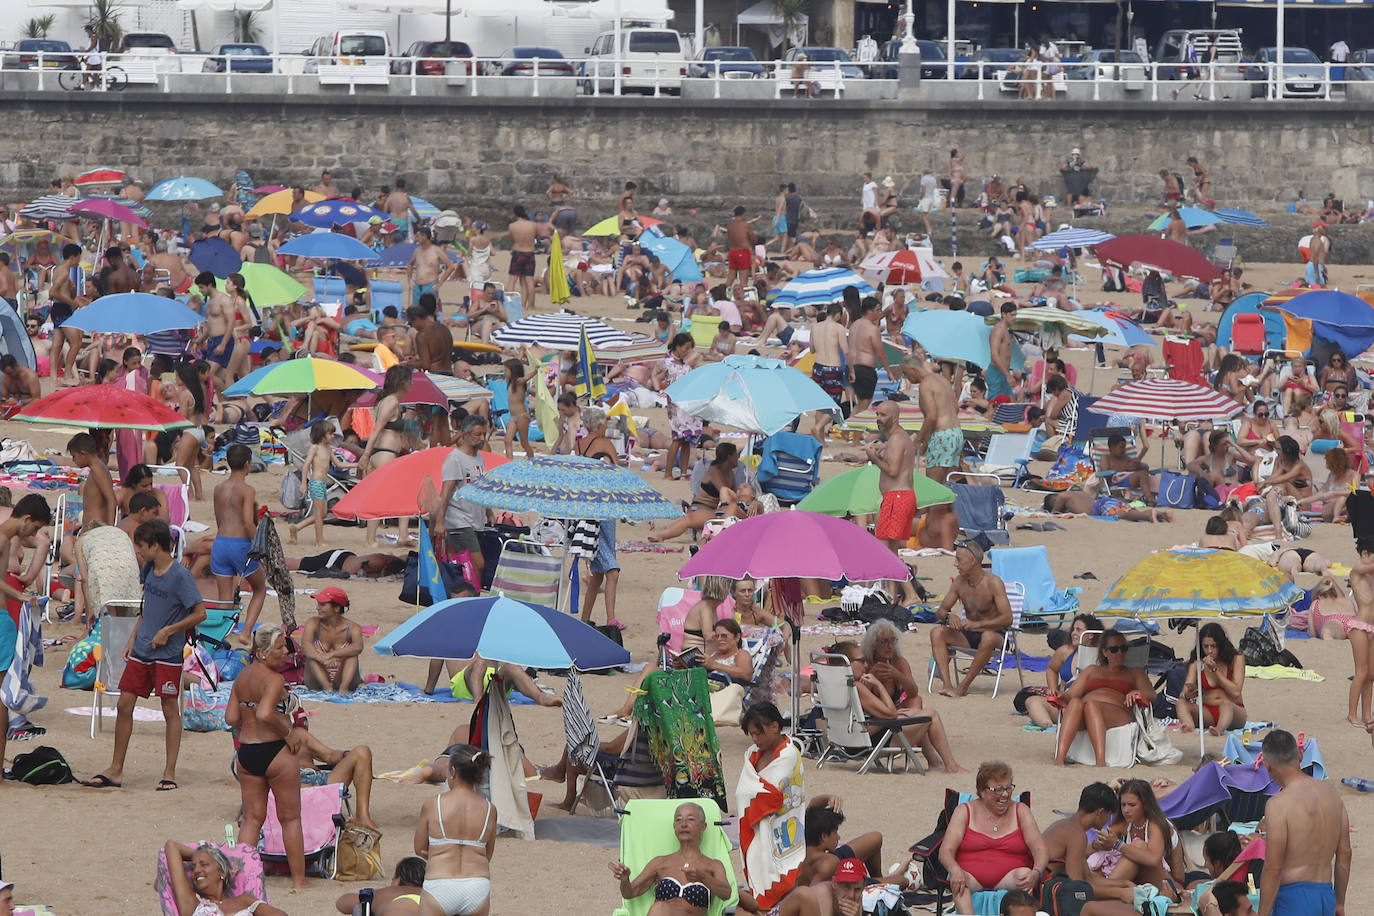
x: 88, y: 851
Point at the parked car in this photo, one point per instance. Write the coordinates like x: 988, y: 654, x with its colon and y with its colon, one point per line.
x: 731, y: 63
x: 993, y: 64
x: 648, y: 58
x: 1359, y: 67
x: 156, y: 48
x: 1303, y: 74
x: 1108, y: 64
x: 56, y: 55
x: 933, y: 57
x: 350, y: 48
x: 241, y: 58
x: 1229, y: 51
x: 519, y: 61
x: 434, y: 57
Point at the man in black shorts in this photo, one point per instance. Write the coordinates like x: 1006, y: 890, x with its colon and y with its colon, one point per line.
x: 341, y: 564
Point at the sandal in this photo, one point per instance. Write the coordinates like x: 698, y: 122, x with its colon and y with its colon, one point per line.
x: 101, y: 781
x: 167, y: 785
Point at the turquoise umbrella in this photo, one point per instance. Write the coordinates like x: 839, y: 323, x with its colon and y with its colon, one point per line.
x: 1192, y: 217
x: 569, y: 486
x: 751, y: 393
x: 959, y: 336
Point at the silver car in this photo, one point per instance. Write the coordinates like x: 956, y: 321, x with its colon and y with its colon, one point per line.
x: 1303, y: 74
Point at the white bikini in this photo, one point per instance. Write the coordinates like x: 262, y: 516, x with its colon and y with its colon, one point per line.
x: 459, y: 896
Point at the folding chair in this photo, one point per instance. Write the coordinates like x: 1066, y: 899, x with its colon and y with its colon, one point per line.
x: 530, y: 571
x: 330, y: 289
x: 847, y: 735
x: 118, y: 622
x: 584, y: 743
x: 646, y: 833
x: 980, y: 510
x: 1224, y: 252
x: 1184, y: 359
x: 934, y: 875
x: 1010, y: 412
x: 1016, y: 597
x: 1007, y: 458
x: 1248, y: 334
x: 704, y: 332
x: 385, y: 293
x: 790, y: 466
x: 1029, y: 567
x: 177, y: 490
x: 324, y: 814
x: 500, y: 401
x: 1097, y: 451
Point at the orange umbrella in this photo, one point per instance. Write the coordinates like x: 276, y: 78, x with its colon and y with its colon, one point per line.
x: 393, y: 490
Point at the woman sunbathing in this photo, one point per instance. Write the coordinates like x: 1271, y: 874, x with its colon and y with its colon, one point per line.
x: 1101, y: 698
x: 1223, y: 677
x: 206, y: 892
x: 713, y: 498
x: 683, y: 882
x: 1059, y: 674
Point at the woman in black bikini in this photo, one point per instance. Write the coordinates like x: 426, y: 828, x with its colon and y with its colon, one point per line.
x: 387, y: 441
x: 712, y: 496
x: 260, y: 710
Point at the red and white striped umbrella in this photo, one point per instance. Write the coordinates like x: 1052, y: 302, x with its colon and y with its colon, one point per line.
x: 1167, y: 399
x: 902, y: 266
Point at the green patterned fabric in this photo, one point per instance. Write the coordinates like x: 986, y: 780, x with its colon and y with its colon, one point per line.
x: 675, y: 712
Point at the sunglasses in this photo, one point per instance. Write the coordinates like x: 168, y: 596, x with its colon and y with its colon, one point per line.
x: 1003, y: 790
x: 1113, y: 650
x: 1262, y: 416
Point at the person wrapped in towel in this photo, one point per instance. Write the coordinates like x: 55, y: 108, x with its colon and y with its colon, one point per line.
x: 771, y: 807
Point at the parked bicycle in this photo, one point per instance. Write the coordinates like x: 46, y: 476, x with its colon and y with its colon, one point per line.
x: 111, y: 78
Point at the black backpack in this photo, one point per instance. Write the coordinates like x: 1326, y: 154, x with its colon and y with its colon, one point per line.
x: 1168, y: 690
x: 1060, y: 895
x: 43, y: 766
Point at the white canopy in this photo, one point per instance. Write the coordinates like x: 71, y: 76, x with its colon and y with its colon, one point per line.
x: 224, y: 6
x: 764, y: 13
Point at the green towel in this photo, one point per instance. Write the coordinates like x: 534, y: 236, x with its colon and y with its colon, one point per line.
x: 675, y: 711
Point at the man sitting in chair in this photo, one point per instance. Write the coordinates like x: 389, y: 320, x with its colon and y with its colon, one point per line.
x: 987, y: 613
x: 1125, y: 470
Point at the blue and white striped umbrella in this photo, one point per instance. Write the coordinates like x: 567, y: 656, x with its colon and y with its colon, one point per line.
x: 49, y: 206
x: 16, y: 690
x: 559, y: 331
x: 569, y: 486
x: 423, y: 208
x: 1070, y: 238
x: 1240, y: 217
x: 820, y: 288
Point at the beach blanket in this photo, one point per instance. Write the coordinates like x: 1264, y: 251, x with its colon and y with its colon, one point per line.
x: 772, y: 809
x: 247, y: 879
x: 675, y: 712
x: 1282, y: 673
x: 496, y: 727
x: 16, y: 690
x: 1245, y: 754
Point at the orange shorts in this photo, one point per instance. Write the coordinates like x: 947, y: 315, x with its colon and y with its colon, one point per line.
x: 896, y: 515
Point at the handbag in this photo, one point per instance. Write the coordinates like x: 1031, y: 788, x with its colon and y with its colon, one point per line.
x: 1152, y: 744
x: 1176, y: 490
x: 359, y: 854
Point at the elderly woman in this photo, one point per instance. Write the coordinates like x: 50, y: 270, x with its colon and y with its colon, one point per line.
x: 882, y: 654
x: 1223, y: 677
x: 878, y: 703
x: 683, y: 882
x: 1101, y: 698
x: 456, y: 836
x: 207, y: 891
x: 993, y: 842
x: 1033, y: 701
x: 728, y: 661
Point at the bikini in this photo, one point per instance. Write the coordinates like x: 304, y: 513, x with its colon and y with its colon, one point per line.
x: 256, y: 757
x: 210, y: 908
x: 694, y: 893
x: 1348, y: 622
x: 1097, y: 683
x: 459, y: 896
x: 709, y: 489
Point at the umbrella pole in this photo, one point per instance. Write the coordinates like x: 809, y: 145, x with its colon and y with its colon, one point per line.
x: 1201, y: 728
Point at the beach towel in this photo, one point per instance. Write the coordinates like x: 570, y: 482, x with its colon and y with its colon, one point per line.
x: 675, y: 713
x: 1245, y: 754
x: 494, y: 723
x: 110, y: 567
x: 1239, y: 790
x: 16, y: 690
x: 243, y: 859
x: 267, y: 550
x: 1282, y: 673
x: 772, y: 807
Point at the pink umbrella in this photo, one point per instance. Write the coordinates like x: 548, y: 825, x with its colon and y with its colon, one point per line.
x: 422, y: 391
x: 795, y: 544
x: 269, y: 189
x: 102, y: 208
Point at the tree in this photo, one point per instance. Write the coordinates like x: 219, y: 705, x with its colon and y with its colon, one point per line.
x: 39, y: 26
x: 105, y: 22
x: 246, y: 27
x: 792, y: 13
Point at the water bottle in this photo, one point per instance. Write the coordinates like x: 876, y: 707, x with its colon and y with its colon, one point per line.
x: 229, y: 834
x: 365, y: 901
x: 1358, y: 784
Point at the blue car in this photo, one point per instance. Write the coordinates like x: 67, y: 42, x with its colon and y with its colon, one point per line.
x: 242, y: 58
x: 731, y: 63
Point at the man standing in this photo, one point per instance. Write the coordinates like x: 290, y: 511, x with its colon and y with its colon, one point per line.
x: 400, y: 208
x: 429, y: 267
x: 460, y: 519
x: 523, y: 233
x: 896, y: 461
x: 1318, y: 251
x: 829, y: 340
x: 865, y: 352
x: 986, y: 614
x: 326, y: 188
x: 1307, y: 857
x: 999, y: 375
x: 31, y: 514
x: 433, y: 339
x: 67, y: 294
x: 792, y: 207
x: 740, y: 240
x: 219, y: 326
x: 626, y: 210
x: 236, y: 515
x: 940, y: 441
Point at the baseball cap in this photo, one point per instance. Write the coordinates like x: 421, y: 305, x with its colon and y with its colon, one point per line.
x: 375, y: 221
x: 332, y: 594
x: 6, y: 885
x: 850, y: 871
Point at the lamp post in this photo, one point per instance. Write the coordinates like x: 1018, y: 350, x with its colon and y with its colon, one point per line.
x: 909, y: 45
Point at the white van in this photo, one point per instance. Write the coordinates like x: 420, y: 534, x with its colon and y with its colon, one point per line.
x: 648, y: 58
x: 352, y: 48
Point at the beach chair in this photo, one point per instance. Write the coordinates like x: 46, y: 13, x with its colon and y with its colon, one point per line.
x: 704, y: 331
x: 384, y: 293
x: 1010, y: 412
x: 247, y: 877
x: 1007, y: 458
x: 324, y: 814
x: 1247, y: 334
x: 500, y: 401
x: 1043, y: 601
x: 790, y: 466
x: 934, y: 876
x: 1184, y: 359
x: 118, y: 621
x: 221, y: 617
x: 175, y: 483
x: 579, y: 729
x: 529, y: 571
x: 980, y: 511
x: 646, y: 832
x: 330, y: 289
x: 1016, y: 597
x: 846, y: 725
x: 1097, y: 451
x: 1224, y: 252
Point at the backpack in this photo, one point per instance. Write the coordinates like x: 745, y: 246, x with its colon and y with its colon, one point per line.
x: 1168, y: 689
x: 1259, y: 647
x: 43, y: 766
x: 292, y: 493
x: 1060, y: 895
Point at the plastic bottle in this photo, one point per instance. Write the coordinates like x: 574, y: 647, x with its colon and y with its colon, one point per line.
x: 1358, y: 784
x: 229, y: 834
x: 365, y: 901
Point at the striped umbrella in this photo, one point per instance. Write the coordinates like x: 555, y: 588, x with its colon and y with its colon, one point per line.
x: 611, y: 225
x: 458, y: 390
x: 301, y: 376
x: 559, y: 331
x: 423, y: 208
x: 638, y: 350
x: 1167, y: 399
x: 820, y: 288
x: 49, y: 206
x: 898, y: 267
x: 910, y: 418
x: 1037, y: 317
x: 569, y: 486
x: 1070, y: 238
x: 1240, y: 217
x: 29, y: 238
x: 102, y: 175
x: 1193, y: 218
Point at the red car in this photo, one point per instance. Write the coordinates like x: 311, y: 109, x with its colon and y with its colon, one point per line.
x: 433, y: 58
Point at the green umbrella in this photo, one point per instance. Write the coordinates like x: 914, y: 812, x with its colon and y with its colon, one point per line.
x: 268, y: 286
x: 856, y: 493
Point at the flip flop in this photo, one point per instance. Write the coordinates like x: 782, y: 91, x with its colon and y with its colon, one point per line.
x: 101, y: 781
x: 167, y: 785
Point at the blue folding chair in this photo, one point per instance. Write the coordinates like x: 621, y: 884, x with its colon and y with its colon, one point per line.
x: 790, y: 466
x: 330, y: 289
x: 1045, y: 601
x: 385, y: 293
x: 500, y: 402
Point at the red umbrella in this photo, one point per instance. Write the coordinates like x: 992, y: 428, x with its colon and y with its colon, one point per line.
x: 1161, y: 254
x: 422, y: 391
x: 393, y: 490
x: 901, y: 266
x: 104, y: 208
x: 1167, y: 399
x: 102, y: 405
x: 98, y: 176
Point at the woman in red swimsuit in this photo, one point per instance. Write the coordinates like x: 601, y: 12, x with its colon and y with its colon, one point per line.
x: 1101, y: 698
x: 1223, y: 676
x: 992, y: 842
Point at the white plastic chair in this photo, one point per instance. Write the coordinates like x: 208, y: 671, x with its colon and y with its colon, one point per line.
x: 847, y: 735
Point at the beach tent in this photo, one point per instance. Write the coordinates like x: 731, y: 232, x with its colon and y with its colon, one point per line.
x: 13, y: 338
x: 764, y: 15
x: 1275, y: 333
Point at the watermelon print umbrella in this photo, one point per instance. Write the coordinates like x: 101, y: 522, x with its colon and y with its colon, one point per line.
x: 102, y: 405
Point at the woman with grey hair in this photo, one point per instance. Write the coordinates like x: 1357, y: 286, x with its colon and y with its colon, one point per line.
x: 882, y: 649
x: 206, y: 892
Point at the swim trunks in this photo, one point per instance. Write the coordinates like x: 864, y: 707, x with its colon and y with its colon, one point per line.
x: 865, y: 382
x: 1305, y: 898
x: 1108, y: 507
x: 896, y: 515
x: 221, y: 358
x: 741, y: 259
x: 831, y: 379
x: 944, y: 447
x: 229, y: 557
x: 317, y: 489
x: 421, y: 289
x: 522, y: 263
x: 998, y: 384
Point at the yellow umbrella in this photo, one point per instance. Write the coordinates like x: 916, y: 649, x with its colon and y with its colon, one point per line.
x: 559, y: 293
x: 279, y: 202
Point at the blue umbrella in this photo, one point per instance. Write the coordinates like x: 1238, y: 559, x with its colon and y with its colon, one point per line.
x: 1192, y: 217
x: 503, y: 630
x: 183, y: 189
x: 751, y: 393
x: 216, y: 256
x: 423, y: 208
x: 394, y: 256
x: 1121, y: 331
x: 337, y: 211
x: 328, y: 245
x: 961, y: 336
x: 1070, y: 238
x: 676, y: 256
x: 1343, y: 319
x: 569, y: 486
x: 820, y: 287
x: 134, y: 313
x: 1240, y: 217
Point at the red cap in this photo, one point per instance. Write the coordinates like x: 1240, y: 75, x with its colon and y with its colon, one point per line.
x: 1319, y: 225
x: 850, y: 871
x: 332, y: 594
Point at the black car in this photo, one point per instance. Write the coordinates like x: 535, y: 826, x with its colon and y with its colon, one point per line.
x: 242, y: 58
x: 994, y: 63
x: 433, y: 57
x: 56, y: 55
x: 519, y: 61
x: 933, y: 59
x: 731, y: 63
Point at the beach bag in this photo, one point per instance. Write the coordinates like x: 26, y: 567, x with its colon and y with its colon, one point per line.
x: 727, y: 705
x: 1060, y: 895
x: 203, y: 713
x: 1259, y: 647
x: 1152, y: 745
x: 292, y: 494
x: 1168, y: 689
x: 79, y: 672
x: 359, y: 854
x: 43, y: 766
x: 1176, y: 490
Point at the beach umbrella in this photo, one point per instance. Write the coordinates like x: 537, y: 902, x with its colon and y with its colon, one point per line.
x: 459, y: 390
x: 1241, y: 217
x: 423, y: 208
x: 1193, y: 218
x: 1116, y: 329
x: 502, y: 629
x: 559, y: 331
x: 302, y: 376
x: 856, y: 493
x: 392, y: 490
x: 752, y: 393
x: 910, y: 418
x: 139, y: 208
x: 216, y: 256
x: 954, y: 335
x: 1160, y: 254
x: 395, y: 255
x: 820, y: 288
x: 273, y: 189
x: 1167, y: 399
x: 611, y: 225
x: 1343, y: 319
x: 105, y: 406
x: 279, y: 203
x: 792, y: 544
x: 1039, y: 317
x: 133, y: 313
x: 101, y: 177
x: 106, y: 208
x: 21, y: 240
x: 328, y: 245
x: 559, y: 291
x: 336, y: 211
x: 1070, y: 238
x: 183, y: 189
x: 570, y: 486
x: 638, y: 350
x: 49, y: 207
x: 906, y: 265
x: 422, y: 391
x: 677, y: 257
x: 267, y: 285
